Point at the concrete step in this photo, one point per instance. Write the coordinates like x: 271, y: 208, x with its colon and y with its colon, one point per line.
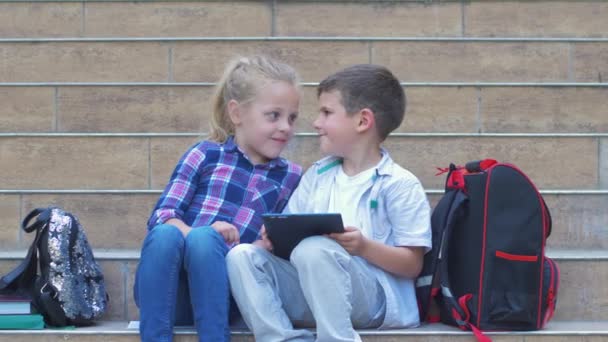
x: 117, y: 220
x: 202, y: 60
x: 583, y: 295
x: 573, y: 331
x: 146, y: 161
x: 330, y: 18
x: 459, y: 108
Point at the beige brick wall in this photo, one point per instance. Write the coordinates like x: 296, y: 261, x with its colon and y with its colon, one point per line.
x: 112, y: 221
x: 9, y: 225
x: 73, y: 163
x: 26, y: 109
x: 40, y: 19
x: 590, y: 62
x: 565, y: 110
x: 368, y: 19
x: 133, y: 109
x: 84, y: 62
x: 178, y: 19
x: 603, y: 163
x: 205, y: 61
x: 536, y: 19
x: 474, y: 61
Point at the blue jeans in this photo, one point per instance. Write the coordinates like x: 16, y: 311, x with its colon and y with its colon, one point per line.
x: 171, y: 265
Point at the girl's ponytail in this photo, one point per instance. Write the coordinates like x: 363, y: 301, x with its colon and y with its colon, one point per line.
x: 239, y: 82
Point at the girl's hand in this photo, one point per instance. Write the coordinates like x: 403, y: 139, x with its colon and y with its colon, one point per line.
x: 352, y: 240
x: 264, y: 242
x: 227, y: 231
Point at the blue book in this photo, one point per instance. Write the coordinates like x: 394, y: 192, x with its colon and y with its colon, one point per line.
x: 15, y: 305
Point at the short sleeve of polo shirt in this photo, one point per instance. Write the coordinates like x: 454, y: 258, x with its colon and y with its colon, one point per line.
x: 409, y: 212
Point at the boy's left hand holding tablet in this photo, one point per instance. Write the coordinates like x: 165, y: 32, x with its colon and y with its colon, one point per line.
x: 264, y: 242
x: 352, y: 240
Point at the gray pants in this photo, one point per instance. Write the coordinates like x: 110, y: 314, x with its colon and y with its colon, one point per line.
x: 321, y: 285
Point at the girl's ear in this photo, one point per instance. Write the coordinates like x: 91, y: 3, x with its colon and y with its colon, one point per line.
x: 234, y: 111
x: 367, y: 120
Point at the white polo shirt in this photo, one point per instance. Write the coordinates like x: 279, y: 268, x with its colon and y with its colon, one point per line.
x: 392, y: 209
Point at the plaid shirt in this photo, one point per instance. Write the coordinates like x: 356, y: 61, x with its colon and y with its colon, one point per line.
x: 216, y: 182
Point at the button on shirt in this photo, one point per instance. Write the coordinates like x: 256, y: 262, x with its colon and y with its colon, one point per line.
x: 217, y: 182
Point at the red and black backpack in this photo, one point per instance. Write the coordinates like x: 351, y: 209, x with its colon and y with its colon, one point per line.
x: 487, y: 269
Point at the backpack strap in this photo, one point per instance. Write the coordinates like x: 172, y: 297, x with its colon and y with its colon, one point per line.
x: 21, y: 278
x: 457, y: 308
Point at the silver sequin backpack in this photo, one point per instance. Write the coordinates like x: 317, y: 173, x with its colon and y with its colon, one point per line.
x: 69, y: 288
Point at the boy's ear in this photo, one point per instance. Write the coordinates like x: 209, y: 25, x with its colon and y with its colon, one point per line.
x: 367, y: 120
x: 234, y: 111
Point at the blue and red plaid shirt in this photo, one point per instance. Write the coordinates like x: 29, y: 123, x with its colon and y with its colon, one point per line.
x: 216, y: 182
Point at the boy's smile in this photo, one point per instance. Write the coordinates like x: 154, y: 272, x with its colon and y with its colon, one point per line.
x: 336, y: 128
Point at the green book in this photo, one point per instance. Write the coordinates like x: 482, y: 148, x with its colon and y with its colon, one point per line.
x: 21, y: 322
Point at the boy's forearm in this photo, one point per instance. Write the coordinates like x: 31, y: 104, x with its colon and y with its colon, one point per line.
x: 402, y: 261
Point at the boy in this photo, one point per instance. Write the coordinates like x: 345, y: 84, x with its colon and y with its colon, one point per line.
x: 362, y: 278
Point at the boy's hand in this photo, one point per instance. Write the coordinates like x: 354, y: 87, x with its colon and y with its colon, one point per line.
x: 264, y: 242
x: 352, y: 240
x: 227, y: 231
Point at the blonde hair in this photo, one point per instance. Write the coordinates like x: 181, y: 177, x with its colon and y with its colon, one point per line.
x: 240, y: 81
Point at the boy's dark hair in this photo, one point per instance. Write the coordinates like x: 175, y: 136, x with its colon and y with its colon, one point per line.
x: 369, y: 86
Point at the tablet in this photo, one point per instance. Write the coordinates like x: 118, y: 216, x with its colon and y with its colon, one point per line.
x: 285, y: 231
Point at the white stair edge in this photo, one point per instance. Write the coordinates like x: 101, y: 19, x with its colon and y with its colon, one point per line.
x: 570, y: 328
x: 131, y: 254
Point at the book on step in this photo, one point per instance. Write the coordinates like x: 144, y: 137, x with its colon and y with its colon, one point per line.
x: 21, y: 322
x: 15, y: 305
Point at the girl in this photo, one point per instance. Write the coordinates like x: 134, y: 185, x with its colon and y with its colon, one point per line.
x: 215, y: 199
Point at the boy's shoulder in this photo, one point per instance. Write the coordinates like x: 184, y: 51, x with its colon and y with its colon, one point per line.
x: 396, y: 175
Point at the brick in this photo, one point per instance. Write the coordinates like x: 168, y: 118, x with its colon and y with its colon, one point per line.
x: 112, y: 221
x: 576, y: 167
x: 546, y: 110
x: 590, y: 62
x: 429, y: 109
x: 178, y: 19
x: 536, y: 19
x: 115, y: 273
x: 604, y: 163
x: 398, y: 19
x: 40, y: 19
x: 133, y: 109
x: 164, y: 155
x: 205, y: 61
x: 579, y: 221
x: 474, y: 61
x: 26, y: 109
x: 7, y: 265
x: 73, y: 163
x: 10, y: 222
x: 582, y: 294
x: 84, y: 62
x: 132, y: 309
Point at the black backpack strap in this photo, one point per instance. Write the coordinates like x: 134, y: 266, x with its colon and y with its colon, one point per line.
x: 21, y: 278
x: 456, y: 307
x: 426, y: 283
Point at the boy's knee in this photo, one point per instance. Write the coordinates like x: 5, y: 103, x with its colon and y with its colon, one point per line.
x: 240, y: 254
x: 315, y: 250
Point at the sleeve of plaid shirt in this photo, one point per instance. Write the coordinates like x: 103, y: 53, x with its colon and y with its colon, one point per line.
x: 178, y: 194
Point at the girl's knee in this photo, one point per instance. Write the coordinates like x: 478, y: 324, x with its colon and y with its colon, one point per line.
x: 205, y: 241
x: 164, y: 237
